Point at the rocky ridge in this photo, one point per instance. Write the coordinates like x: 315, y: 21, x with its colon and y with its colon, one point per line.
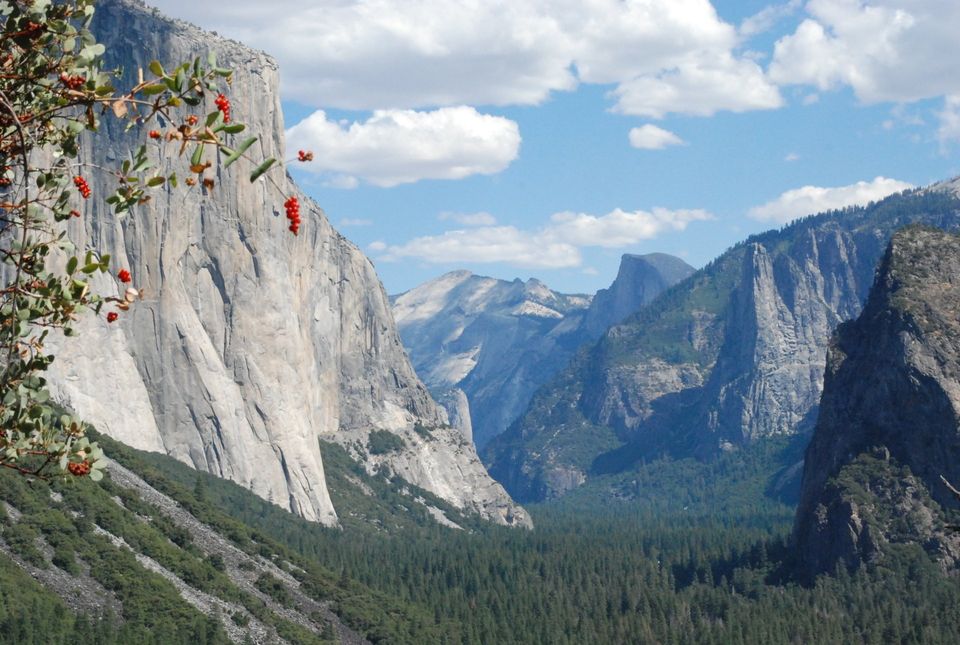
x: 496, y: 341
x: 732, y: 355
x: 250, y: 343
x: 889, y: 422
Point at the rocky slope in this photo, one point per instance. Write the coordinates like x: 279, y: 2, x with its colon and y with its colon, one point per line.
x: 733, y: 354
x: 157, y: 548
x: 889, y: 422
x: 497, y: 341
x: 251, y: 343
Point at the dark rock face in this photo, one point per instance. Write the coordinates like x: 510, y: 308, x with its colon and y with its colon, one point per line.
x: 730, y: 356
x: 889, y: 423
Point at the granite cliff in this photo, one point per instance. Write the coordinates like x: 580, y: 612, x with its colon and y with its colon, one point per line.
x: 730, y: 356
x: 889, y: 422
x: 251, y: 343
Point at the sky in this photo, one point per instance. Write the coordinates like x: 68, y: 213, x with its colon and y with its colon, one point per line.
x: 546, y: 138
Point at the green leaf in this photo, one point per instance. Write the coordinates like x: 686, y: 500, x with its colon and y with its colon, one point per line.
x: 262, y: 168
x: 72, y: 265
x: 157, y: 68
x: 236, y: 154
x: 153, y: 182
x: 197, y: 156
x: 96, y: 475
x: 233, y: 128
x: 153, y: 88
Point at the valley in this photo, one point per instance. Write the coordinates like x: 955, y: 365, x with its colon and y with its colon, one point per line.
x: 759, y: 449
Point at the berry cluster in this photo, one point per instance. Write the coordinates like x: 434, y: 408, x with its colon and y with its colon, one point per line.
x: 112, y: 316
x: 79, y: 468
x: 124, y: 276
x: 73, y: 82
x: 154, y: 134
x: 192, y: 120
x: 293, y: 214
x: 223, y: 104
x: 304, y: 155
x: 82, y: 186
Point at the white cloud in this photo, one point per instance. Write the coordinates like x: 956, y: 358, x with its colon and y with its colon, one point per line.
x: 403, y: 146
x: 620, y: 228
x: 699, y: 88
x: 343, y: 182
x: 377, y: 245
x: 489, y: 244
x: 469, y: 219
x: 949, y: 129
x: 886, y: 50
x: 651, y: 137
x: 556, y: 245
x: 765, y: 19
x: 371, y: 54
x: 814, y: 199
x: 348, y: 222
x: 791, y: 156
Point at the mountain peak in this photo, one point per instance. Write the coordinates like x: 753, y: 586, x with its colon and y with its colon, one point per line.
x: 639, y: 280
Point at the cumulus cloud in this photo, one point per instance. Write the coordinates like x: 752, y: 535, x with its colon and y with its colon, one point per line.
x: 619, y: 228
x: 469, y: 219
x: 403, y: 146
x: 949, y: 129
x: 348, y: 222
x: 765, y: 19
x: 699, y: 88
x: 554, y: 246
x: 651, y: 137
x: 886, y: 50
x: 377, y: 245
x: 814, y: 199
x: 370, y: 54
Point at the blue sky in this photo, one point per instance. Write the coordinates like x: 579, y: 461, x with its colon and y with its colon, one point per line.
x: 546, y: 138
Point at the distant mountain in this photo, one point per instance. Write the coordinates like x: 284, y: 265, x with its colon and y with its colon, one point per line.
x: 498, y: 341
x: 889, y: 423
x: 641, y: 279
x: 731, y: 355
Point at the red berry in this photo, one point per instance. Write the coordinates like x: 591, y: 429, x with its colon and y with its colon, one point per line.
x: 304, y: 155
x: 73, y: 82
x: 75, y: 213
x: 154, y: 134
x: 124, y: 276
x: 79, y: 469
x: 192, y: 119
x: 82, y: 186
x: 223, y: 104
x: 112, y: 316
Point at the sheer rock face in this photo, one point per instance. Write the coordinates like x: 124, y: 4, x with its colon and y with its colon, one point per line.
x: 499, y: 341
x: 251, y: 342
x: 730, y: 356
x: 641, y: 278
x: 889, y: 423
